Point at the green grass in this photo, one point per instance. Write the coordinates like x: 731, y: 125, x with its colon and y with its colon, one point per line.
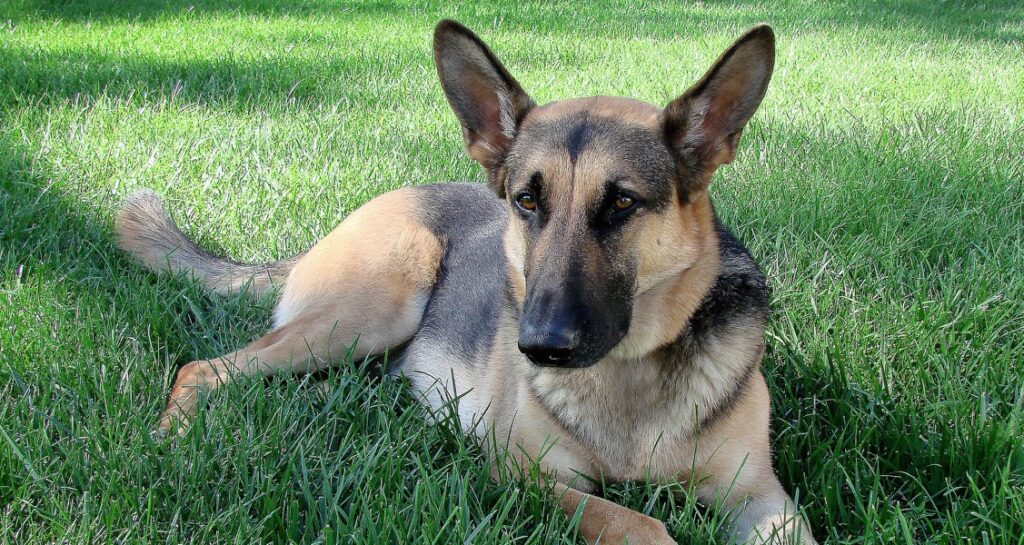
x: 881, y: 186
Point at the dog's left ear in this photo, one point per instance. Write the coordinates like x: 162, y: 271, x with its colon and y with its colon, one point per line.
x: 487, y: 100
x: 703, y: 125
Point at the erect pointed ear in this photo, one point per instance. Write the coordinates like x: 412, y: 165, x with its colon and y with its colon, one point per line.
x: 703, y: 125
x: 485, y: 97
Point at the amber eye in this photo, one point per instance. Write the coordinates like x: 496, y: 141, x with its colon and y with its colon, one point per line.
x: 526, y: 202
x: 623, y: 202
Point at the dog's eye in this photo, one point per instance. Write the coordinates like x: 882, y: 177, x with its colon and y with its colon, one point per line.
x: 526, y: 201
x: 623, y: 202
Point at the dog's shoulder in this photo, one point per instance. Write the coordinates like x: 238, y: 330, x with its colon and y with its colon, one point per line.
x: 455, y: 210
x: 462, y: 314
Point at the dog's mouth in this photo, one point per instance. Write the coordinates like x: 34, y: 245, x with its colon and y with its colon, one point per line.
x: 557, y: 361
x: 574, y: 361
x: 560, y: 363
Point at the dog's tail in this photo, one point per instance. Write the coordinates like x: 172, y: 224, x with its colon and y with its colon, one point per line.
x: 145, y: 230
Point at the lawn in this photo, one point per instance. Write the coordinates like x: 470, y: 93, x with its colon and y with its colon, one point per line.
x: 881, y: 187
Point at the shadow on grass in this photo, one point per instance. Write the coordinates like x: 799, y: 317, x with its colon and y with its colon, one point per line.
x: 39, y: 78
x: 991, y: 21
x: 115, y: 10
x: 64, y: 285
x: 901, y: 451
x: 67, y: 276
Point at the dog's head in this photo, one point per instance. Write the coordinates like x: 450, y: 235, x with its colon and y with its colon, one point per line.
x: 608, y: 195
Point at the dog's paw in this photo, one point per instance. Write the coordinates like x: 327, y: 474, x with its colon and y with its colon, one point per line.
x: 654, y: 533
x: 637, y: 530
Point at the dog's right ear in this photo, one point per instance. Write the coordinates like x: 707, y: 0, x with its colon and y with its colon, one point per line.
x: 488, y: 101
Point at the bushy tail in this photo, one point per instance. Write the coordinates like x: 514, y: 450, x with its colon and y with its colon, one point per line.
x: 146, y: 231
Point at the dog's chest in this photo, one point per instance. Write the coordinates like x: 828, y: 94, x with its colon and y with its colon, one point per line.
x: 639, y: 418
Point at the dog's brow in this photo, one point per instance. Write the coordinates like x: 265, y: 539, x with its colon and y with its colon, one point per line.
x: 625, y: 183
x: 579, y: 137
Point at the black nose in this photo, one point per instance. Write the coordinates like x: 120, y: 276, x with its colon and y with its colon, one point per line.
x: 550, y: 346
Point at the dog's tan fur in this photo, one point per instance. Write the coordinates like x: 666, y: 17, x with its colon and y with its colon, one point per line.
x: 635, y: 414
x: 362, y: 290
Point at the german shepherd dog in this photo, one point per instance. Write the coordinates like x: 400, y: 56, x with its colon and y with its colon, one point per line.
x: 587, y: 306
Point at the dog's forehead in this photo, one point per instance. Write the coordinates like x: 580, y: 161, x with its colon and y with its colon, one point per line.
x: 597, y: 124
x: 624, y: 110
x: 596, y: 137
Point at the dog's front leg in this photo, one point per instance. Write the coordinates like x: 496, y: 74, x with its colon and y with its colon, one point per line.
x: 609, y: 523
x: 764, y: 515
x: 770, y: 519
